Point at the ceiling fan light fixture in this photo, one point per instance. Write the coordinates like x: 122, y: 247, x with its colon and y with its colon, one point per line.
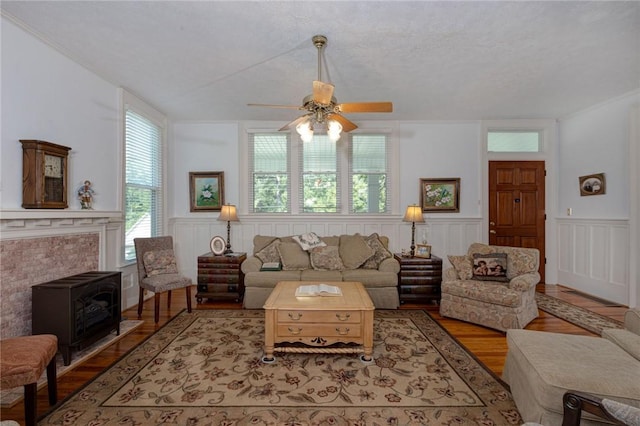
x: 334, y: 130
x: 305, y: 130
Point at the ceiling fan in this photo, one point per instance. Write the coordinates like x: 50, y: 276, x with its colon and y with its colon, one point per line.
x: 322, y: 108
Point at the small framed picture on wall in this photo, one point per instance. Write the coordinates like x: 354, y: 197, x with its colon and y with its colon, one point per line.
x: 206, y: 191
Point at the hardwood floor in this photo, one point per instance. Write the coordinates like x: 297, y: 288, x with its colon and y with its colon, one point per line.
x: 489, y: 346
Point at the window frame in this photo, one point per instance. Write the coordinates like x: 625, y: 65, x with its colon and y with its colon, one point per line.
x: 140, y: 107
x: 393, y: 189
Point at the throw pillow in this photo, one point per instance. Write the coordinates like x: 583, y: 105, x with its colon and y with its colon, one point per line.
x: 269, y: 253
x: 159, y: 262
x: 308, y: 241
x: 490, y: 267
x: 326, y: 258
x: 462, y: 265
x: 292, y: 256
x: 380, y: 252
x: 354, y: 251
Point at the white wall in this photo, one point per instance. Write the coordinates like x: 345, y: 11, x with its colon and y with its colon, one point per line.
x: 47, y: 96
x: 595, y: 251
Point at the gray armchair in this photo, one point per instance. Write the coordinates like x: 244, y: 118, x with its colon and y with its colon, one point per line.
x: 158, y: 272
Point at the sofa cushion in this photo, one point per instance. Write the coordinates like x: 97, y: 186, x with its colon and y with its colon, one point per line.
x: 270, y: 252
x: 308, y: 241
x: 157, y: 262
x: 370, y: 277
x: 322, y: 276
x: 490, y: 267
x: 380, y: 252
x: 326, y: 258
x: 495, y: 293
x: 331, y: 241
x: 293, y: 258
x: 628, y: 341
x: 463, y: 266
x: 354, y: 250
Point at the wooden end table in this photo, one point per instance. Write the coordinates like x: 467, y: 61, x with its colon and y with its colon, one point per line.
x: 318, y: 321
x: 220, y: 277
x: 419, y: 279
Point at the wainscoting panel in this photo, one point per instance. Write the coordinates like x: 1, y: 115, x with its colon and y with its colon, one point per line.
x: 593, y: 257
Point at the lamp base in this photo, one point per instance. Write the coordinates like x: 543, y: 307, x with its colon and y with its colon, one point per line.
x: 228, y: 251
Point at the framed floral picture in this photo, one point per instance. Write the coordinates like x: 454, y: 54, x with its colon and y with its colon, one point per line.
x: 206, y: 190
x: 440, y: 194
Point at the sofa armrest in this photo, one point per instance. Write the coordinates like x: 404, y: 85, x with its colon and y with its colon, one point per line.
x: 632, y: 320
x: 389, y: 265
x: 450, y: 274
x: 252, y: 264
x: 525, y: 282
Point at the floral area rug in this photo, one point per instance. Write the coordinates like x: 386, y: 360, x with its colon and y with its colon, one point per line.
x: 581, y: 317
x: 205, y: 368
x: 10, y: 397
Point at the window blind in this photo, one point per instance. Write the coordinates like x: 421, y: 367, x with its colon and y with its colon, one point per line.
x: 319, y: 189
x: 368, y: 174
x: 270, y: 187
x: 143, y: 180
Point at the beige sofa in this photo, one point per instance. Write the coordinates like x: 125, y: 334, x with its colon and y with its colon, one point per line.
x: 365, y: 259
x: 542, y: 366
x: 499, y: 302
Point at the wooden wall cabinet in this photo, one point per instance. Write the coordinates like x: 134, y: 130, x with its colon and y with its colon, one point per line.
x: 44, y: 175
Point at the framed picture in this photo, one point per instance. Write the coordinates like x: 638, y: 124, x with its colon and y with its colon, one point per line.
x: 592, y: 184
x: 423, y: 250
x: 206, y: 190
x: 440, y: 194
x: 217, y: 245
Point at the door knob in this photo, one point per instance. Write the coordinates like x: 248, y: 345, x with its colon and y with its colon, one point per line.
x: 492, y: 223
x: 492, y: 231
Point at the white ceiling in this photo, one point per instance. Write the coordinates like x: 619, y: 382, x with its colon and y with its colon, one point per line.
x: 206, y: 60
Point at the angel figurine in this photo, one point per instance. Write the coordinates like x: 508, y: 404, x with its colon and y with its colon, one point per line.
x: 85, y: 195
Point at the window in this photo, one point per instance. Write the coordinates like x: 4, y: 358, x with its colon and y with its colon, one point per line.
x: 368, y: 174
x: 513, y: 141
x: 319, y: 189
x: 143, y: 204
x: 268, y: 165
x: 315, y: 170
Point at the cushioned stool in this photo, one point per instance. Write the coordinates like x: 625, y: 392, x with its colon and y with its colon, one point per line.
x: 22, y: 361
x: 541, y: 367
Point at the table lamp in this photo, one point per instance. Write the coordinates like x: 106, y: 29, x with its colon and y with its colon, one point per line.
x: 413, y: 215
x: 228, y: 213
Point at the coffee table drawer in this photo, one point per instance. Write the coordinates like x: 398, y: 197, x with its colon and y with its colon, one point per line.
x: 318, y: 317
x: 313, y: 330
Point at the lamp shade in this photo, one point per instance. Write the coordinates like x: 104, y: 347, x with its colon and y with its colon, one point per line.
x: 228, y: 213
x: 413, y: 214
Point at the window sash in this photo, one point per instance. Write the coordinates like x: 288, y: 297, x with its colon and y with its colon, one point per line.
x: 143, y: 179
x: 514, y: 141
x: 269, y: 172
x: 369, y: 174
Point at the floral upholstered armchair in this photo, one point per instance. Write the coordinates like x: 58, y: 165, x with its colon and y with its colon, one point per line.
x: 493, y: 286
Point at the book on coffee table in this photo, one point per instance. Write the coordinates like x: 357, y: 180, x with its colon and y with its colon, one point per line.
x: 318, y: 290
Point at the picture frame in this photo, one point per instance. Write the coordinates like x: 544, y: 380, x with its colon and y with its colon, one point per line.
x: 592, y: 184
x: 206, y: 191
x: 440, y: 195
x: 423, y: 250
x: 217, y: 245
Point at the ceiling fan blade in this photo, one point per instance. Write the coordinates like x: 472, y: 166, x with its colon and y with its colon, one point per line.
x: 294, y: 123
x: 347, y: 125
x: 366, y: 107
x: 322, y: 92
x: 276, y: 106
